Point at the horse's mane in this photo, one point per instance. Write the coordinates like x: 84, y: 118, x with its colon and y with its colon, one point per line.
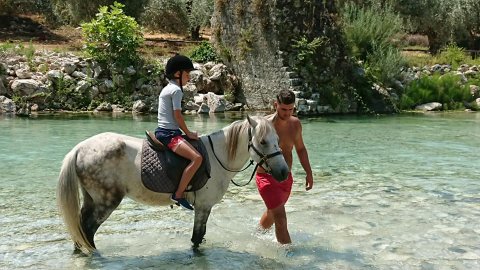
x: 240, y: 127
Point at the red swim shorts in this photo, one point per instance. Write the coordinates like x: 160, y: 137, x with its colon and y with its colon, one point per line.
x: 273, y: 193
x: 175, y: 142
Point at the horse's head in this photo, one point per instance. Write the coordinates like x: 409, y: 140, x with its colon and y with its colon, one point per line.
x: 264, y: 149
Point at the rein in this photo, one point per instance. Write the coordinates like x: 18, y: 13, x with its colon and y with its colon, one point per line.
x: 263, y: 159
x: 221, y: 164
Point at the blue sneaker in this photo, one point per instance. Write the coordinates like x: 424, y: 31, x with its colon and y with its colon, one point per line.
x: 181, y: 202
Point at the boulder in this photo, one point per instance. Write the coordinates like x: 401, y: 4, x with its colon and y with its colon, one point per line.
x: 431, y: 106
x: 25, y: 87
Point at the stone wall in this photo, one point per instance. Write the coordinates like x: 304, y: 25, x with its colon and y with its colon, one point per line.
x: 256, y: 39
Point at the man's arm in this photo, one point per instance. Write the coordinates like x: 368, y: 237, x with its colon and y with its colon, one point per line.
x: 303, y: 157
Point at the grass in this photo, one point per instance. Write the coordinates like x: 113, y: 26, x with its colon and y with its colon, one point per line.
x: 420, y: 59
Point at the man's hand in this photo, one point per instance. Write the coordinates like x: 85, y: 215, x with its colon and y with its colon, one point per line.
x: 308, y: 182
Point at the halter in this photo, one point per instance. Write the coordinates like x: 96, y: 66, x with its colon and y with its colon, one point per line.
x: 263, y: 159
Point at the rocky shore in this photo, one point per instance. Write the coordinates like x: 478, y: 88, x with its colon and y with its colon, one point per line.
x: 55, y: 81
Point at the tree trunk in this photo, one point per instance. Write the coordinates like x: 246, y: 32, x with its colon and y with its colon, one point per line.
x: 195, y: 33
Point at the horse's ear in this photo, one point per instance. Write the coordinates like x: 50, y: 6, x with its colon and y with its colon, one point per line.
x: 252, y: 122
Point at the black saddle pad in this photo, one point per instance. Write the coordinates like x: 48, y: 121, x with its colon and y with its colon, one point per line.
x: 161, y: 171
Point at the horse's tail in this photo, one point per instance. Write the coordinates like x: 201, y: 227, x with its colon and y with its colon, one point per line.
x: 68, y: 199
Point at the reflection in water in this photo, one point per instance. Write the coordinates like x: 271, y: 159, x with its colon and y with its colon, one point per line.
x: 391, y: 192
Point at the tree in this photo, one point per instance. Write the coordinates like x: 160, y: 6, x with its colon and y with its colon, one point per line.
x: 178, y: 16
x: 199, y: 15
x: 77, y: 11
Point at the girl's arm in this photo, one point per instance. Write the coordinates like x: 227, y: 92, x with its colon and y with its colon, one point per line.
x: 181, y: 123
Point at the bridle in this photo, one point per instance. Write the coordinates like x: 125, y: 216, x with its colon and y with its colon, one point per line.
x: 263, y: 159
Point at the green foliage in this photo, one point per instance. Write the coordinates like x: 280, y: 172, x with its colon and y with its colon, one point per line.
x: 446, y: 89
x: 443, y: 20
x: 371, y: 33
x: 178, y: 16
x: 64, y: 95
x: 384, y: 65
x: 453, y: 55
x: 166, y: 15
x: 113, y: 38
x: 204, y: 53
x: 305, y: 52
x: 368, y: 28
x: 74, y: 12
x: 305, y: 49
x: 246, y: 41
x: 199, y: 14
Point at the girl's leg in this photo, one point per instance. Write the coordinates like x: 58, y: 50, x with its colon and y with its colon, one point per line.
x: 186, y: 150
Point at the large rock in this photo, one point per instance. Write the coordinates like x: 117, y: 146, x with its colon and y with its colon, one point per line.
x: 25, y: 87
x: 216, y: 103
x: 140, y: 106
x: 431, y: 106
x: 6, y: 105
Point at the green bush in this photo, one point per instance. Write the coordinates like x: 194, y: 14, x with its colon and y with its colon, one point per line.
x: 384, y: 64
x: 453, y: 55
x: 204, y: 53
x: 113, y: 38
x: 446, y: 89
x: 372, y: 33
x: 367, y: 28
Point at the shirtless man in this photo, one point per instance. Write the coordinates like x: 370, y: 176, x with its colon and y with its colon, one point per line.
x: 275, y: 194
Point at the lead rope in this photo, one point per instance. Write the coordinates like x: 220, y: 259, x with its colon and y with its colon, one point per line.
x: 251, y: 177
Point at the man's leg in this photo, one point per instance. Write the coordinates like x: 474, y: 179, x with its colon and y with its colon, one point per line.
x: 266, y: 221
x: 279, y: 217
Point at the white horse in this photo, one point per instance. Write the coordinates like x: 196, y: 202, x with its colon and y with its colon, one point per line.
x: 106, y: 168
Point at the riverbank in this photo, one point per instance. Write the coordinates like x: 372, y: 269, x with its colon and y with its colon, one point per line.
x: 43, y: 80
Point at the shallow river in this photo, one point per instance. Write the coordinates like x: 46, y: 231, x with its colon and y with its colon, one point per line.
x: 391, y: 192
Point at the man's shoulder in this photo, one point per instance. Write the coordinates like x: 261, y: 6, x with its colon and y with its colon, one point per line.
x: 294, y: 121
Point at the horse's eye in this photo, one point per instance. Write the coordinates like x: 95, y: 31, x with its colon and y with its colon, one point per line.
x: 263, y: 142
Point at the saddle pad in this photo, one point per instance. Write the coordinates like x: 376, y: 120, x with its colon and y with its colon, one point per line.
x: 161, y: 171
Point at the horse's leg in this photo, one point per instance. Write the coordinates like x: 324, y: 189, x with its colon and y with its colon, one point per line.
x: 200, y: 225
x: 95, y: 213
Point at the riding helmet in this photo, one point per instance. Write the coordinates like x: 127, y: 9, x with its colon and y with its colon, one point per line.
x: 178, y: 62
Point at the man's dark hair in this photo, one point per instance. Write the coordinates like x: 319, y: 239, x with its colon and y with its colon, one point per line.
x: 285, y: 97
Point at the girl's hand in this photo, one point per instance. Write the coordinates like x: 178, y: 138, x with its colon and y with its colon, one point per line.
x: 192, y: 135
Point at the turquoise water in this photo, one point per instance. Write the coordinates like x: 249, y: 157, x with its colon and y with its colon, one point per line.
x: 391, y: 192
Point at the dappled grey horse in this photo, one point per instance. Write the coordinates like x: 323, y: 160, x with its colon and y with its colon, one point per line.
x: 106, y: 168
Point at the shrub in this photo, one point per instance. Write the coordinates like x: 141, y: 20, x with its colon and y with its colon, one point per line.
x: 385, y: 64
x: 113, y: 37
x: 204, y: 53
x: 446, y: 89
x: 367, y: 27
x: 453, y: 55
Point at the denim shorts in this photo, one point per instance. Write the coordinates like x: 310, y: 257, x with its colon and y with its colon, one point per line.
x: 165, y: 136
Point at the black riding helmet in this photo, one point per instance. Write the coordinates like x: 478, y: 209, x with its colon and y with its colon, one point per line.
x: 178, y: 63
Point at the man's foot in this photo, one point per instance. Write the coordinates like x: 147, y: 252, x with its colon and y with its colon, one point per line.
x: 181, y: 202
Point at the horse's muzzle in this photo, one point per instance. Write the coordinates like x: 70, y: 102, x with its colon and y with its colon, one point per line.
x: 281, y: 175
